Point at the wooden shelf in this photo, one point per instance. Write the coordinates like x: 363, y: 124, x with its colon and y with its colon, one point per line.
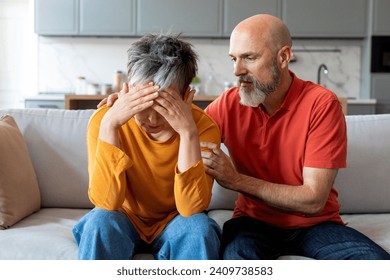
x: 78, y: 101
x: 205, y: 97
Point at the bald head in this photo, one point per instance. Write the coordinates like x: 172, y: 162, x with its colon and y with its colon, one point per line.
x: 267, y: 28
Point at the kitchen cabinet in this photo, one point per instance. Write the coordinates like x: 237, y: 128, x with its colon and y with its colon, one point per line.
x: 361, y: 107
x: 381, y: 18
x: 201, y: 18
x: 85, y: 17
x: 45, y: 102
x: 205, y: 18
x: 59, y: 17
x: 107, y: 18
x: 330, y: 18
x: 380, y: 86
x: 380, y: 90
x: 234, y: 11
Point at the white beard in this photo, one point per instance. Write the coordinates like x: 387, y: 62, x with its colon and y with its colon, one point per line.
x: 252, y: 98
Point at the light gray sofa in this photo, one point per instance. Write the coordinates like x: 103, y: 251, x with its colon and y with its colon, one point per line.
x: 57, y: 147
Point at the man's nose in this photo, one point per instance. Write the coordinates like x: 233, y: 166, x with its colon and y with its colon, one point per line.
x: 239, y: 68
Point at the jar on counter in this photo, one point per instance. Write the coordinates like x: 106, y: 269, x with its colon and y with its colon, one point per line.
x: 81, y: 85
x: 93, y: 89
x: 106, y: 89
x: 119, y: 79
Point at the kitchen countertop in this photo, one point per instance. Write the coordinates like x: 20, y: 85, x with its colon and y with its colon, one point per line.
x: 55, y: 96
x: 59, y: 96
x: 361, y: 101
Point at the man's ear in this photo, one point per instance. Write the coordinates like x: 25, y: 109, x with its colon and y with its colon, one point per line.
x: 285, y: 56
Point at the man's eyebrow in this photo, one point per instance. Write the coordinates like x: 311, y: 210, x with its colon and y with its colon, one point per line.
x: 246, y: 54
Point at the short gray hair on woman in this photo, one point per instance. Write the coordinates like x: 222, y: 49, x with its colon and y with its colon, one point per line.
x: 164, y: 59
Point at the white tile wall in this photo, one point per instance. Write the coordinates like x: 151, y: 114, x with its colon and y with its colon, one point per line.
x: 61, y: 60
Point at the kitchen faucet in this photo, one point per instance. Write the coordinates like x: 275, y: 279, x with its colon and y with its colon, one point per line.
x: 321, y: 69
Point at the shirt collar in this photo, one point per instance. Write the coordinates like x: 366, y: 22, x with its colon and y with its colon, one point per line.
x: 293, y: 93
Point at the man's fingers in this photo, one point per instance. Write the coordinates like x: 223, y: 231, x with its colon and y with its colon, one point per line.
x: 111, y: 99
x: 211, y: 146
x: 102, y: 102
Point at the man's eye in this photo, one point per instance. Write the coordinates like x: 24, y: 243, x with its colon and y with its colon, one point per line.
x: 233, y: 59
x: 249, y: 58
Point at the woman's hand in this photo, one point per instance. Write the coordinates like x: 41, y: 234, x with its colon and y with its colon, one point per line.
x: 131, y: 100
x: 176, y: 110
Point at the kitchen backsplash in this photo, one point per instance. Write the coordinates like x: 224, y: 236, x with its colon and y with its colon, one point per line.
x: 62, y: 60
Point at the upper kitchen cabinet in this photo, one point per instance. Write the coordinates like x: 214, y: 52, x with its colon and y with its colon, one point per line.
x: 330, y: 18
x: 235, y: 11
x: 381, y: 18
x: 85, y: 17
x: 107, y: 18
x: 59, y: 17
x: 200, y: 18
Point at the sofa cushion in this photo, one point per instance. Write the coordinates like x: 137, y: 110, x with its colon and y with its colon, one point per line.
x: 19, y: 192
x: 44, y: 235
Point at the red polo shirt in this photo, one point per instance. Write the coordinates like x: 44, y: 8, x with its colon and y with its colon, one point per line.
x: 308, y: 130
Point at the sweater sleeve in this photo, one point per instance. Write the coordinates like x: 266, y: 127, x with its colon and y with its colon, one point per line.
x: 107, y: 167
x: 192, y: 188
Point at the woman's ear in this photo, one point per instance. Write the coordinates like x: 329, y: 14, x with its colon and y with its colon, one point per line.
x: 189, y: 95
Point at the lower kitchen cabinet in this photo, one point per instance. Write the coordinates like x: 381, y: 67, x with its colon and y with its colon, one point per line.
x: 44, y: 103
x: 380, y: 90
x: 361, y: 109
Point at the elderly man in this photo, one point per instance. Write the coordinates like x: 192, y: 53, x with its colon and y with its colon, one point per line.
x: 287, y: 140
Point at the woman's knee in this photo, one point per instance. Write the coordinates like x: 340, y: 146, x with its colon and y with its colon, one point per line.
x: 200, y: 225
x: 99, y: 219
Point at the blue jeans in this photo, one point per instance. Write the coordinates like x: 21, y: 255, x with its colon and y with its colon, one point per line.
x: 110, y: 235
x: 248, y: 238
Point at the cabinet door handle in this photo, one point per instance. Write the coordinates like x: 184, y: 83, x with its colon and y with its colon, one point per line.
x: 48, y: 106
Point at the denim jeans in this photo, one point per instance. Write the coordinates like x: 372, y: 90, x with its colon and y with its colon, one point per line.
x: 110, y: 235
x: 248, y: 238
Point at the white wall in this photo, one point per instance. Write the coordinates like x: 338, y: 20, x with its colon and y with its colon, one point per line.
x: 18, y: 49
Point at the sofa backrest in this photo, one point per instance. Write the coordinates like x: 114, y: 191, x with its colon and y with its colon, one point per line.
x: 364, y: 186
x: 56, y: 140
x: 57, y: 146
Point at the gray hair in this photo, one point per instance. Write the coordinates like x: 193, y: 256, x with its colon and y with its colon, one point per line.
x: 164, y: 59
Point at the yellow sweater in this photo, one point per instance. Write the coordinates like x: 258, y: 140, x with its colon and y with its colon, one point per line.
x: 142, y: 180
